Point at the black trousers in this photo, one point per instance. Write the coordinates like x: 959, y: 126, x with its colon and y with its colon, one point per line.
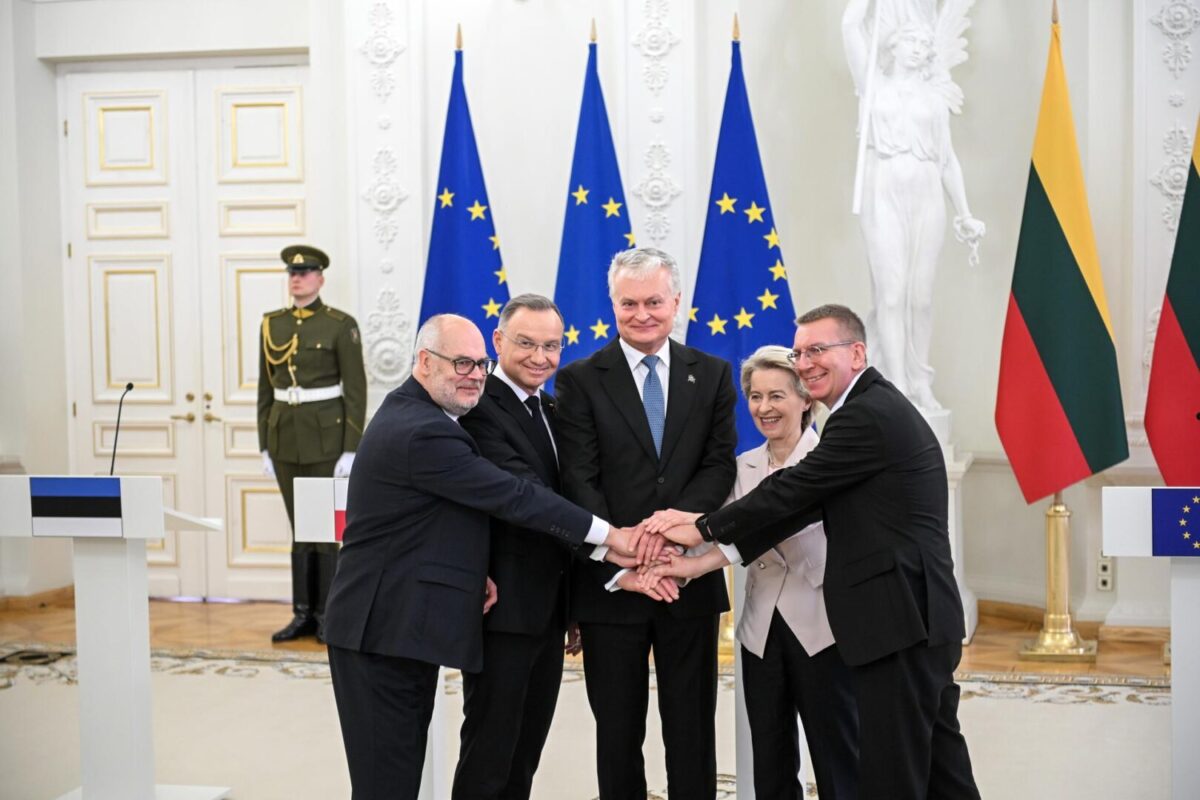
x: 617, y: 675
x: 508, y: 709
x: 313, y: 563
x: 785, y: 682
x: 384, y: 705
x: 910, y: 745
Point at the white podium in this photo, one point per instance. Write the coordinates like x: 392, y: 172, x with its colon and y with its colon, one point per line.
x: 1130, y: 528
x: 321, y: 517
x: 109, y: 520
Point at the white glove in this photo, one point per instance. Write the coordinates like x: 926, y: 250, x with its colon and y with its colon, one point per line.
x: 342, y: 468
x: 268, y: 465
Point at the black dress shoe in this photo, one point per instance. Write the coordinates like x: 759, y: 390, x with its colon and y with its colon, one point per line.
x: 301, y: 625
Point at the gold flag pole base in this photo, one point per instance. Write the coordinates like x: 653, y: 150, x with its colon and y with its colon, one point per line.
x: 1058, y: 640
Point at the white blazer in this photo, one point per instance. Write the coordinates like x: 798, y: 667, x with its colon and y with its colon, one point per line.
x: 787, y: 577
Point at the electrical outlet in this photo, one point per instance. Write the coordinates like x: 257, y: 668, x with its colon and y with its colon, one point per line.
x: 1105, y: 577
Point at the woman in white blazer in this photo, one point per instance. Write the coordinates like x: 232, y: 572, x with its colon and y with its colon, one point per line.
x: 789, y: 663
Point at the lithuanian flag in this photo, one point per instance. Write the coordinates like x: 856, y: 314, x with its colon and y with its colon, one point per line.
x: 1058, y: 408
x: 1173, y: 404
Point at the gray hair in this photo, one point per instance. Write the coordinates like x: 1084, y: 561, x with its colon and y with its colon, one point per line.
x: 847, y: 320
x: 533, y: 302
x: 429, y: 335
x: 641, y: 262
x: 772, y: 356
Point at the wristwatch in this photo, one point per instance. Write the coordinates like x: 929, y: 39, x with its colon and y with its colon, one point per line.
x: 702, y: 526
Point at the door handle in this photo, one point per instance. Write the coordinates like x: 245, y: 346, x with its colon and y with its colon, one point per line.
x: 211, y: 417
x: 188, y: 417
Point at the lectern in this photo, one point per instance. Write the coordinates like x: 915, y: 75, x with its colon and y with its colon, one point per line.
x: 109, y: 520
x: 1165, y: 523
x: 321, y: 517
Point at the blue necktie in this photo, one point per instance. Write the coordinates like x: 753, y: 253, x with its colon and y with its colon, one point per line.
x: 652, y: 401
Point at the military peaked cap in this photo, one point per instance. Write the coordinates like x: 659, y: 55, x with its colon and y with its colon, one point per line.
x: 302, y: 257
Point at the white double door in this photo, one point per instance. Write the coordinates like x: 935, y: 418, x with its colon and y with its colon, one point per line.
x: 180, y: 189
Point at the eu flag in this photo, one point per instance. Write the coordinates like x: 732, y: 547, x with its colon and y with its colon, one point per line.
x: 1175, y: 516
x: 741, y: 300
x: 595, y: 229
x: 464, y: 274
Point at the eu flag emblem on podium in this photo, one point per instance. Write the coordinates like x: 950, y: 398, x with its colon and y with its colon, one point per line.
x: 741, y: 300
x: 464, y: 274
x: 595, y: 229
x: 1175, y: 515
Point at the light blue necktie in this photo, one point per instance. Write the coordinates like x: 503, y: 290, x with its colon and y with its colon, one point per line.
x: 652, y: 401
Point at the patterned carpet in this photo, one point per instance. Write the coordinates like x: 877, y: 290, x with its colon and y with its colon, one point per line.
x: 265, y: 724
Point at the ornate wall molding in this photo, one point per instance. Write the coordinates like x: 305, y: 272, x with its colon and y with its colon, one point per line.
x: 657, y: 191
x: 1177, y: 20
x: 655, y: 41
x: 389, y: 336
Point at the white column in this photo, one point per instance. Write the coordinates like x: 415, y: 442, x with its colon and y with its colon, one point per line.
x: 1185, y: 679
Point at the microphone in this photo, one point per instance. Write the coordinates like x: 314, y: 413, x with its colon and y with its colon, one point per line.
x: 117, y: 432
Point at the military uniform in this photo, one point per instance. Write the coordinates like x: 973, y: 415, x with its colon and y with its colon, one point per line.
x: 312, y: 397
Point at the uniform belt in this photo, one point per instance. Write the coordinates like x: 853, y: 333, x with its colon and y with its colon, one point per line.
x: 295, y: 395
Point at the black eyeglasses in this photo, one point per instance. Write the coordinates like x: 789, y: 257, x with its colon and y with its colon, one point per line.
x: 549, y: 348
x: 465, y: 366
x: 816, y: 350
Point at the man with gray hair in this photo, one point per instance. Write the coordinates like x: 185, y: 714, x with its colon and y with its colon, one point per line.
x: 646, y: 424
x: 411, y: 585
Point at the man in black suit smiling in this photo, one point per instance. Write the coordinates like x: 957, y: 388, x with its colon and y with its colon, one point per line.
x: 878, y: 479
x: 646, y: 424
x: 508, y: 706
x: 409, y: 592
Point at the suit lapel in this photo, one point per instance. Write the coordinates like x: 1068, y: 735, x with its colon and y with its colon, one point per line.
x: 550, y: 409
x: 682, y: 380
x: 514, y: 408
x: 617, y: 380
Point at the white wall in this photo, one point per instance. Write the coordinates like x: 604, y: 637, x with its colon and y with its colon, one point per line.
x: 524, y: 69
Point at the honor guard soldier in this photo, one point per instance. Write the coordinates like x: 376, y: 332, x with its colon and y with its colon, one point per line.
x: 312, y: 401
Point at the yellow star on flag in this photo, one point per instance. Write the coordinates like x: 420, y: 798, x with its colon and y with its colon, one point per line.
x: 726, y: 202
x: 611, y: 209
x: 1187, y: 535
x: 446, y: 196
x: 495, y: 240
x: 772, y: 239
x: 743, y: 319
x: 1196, y: 545
x: 477, y: 210
x: 600, y: 329
x: 502, y: 274
x: 1182, y: 522
x: 492, y: 308
x: 767, y: 299
x: 629, y: 238
x: 1196, y: 499
x: 692, y: 314
x: 779, y: 271
x: 572, y: 335
x: 754, y: 212
x: 716, y: 324
x: 1187, y: 509
x: 580, y: 195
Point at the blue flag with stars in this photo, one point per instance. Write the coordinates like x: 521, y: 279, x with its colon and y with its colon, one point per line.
x: 1175, y: 522
x: 741, y: 300
x: 596, y: 227
x: 464, y: 274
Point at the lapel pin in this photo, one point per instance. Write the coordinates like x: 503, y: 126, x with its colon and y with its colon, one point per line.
x: 691, y: 378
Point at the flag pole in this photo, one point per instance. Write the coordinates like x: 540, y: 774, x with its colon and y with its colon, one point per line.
x: 593, y: 36
x: 1058, y: 640
x: 458, y: 37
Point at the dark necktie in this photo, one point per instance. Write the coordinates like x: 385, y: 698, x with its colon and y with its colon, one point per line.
x: 541, y: 436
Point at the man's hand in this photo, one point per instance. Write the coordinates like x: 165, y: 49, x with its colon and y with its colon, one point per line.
x: 660, y: 521
x: 653, y: 586
x: 687, y: 567
x: 490, y: 595
x: 574, y: 645
x: 268, y: 465
x: 686, y: 535
x: 342, y: 468
x: 622, y: 540
x: 624, y: 562
x: 650, y: 548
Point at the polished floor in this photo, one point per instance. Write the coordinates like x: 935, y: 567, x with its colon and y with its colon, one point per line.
x: 247, y: 627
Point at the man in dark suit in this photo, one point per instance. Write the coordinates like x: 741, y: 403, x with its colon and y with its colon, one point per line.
x: 646, y: 424
x: 409, y: 592
x: 878, y: 478
x: 508, y: 706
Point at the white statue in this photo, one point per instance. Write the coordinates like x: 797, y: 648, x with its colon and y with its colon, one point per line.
x: 901, y: 60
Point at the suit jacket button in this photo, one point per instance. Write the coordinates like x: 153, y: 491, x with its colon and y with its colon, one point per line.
x: 662, y: 480
x: 761, y: 565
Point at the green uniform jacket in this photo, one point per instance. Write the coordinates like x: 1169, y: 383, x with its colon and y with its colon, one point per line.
x: 328, y: 351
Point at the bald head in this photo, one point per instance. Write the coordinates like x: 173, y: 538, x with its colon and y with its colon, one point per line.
x: 443, y: 339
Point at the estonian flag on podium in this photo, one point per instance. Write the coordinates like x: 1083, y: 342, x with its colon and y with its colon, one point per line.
x: 76, y: 506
